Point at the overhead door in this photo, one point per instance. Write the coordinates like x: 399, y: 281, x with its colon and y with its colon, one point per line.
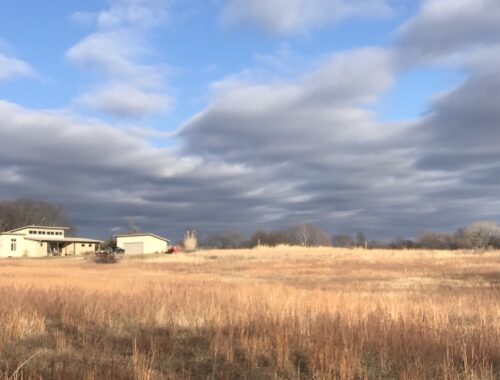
x: 134, y: 248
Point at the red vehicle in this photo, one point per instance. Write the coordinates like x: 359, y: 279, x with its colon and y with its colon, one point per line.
x: 173, y: 249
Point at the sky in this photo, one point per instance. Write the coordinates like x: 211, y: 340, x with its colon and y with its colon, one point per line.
x: 379, y: 116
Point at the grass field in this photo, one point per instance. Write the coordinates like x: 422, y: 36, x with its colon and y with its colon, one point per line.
x: 283, y: 313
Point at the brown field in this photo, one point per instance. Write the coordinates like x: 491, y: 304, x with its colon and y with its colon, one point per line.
x: 284, y: 313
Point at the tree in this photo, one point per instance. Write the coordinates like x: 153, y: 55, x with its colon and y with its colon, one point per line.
x: 269, y: 238
x: 259, y: 237
x: 231, y: 240
x: 402, y: 243
x: 436, y: 240
x: 190, y: 242
x: 481, y: 235
x: 132, y: 226
x: 25, y: 212
x: 343, y: 241
x: 361, y: 240
x: 308, y: 235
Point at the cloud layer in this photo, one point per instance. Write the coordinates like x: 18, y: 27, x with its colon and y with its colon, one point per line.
x: 269, y: 153
x: 298, y: 16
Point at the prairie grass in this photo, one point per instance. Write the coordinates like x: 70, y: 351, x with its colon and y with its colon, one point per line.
x: 282, y: 313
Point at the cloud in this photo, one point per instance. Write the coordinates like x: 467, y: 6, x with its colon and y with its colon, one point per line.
x: 297, y: 16
x: 315, y: 149
x: 319, y: 108
x: 447, y: 30
x: 133, y: 13
x: 13, y: 68
x: 119, y: 52
x: 125, y: 101
x: 260, y: 155
x: 104, y: 175
x: 460, y: 129
x: 267, y: 151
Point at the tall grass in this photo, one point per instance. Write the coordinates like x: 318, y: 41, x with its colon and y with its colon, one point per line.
x: 254, y: 314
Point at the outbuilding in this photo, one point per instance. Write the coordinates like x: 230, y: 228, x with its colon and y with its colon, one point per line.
x: 140, y: 244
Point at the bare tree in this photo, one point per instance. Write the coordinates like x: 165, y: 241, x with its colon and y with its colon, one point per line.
x: 270, y: 238
x: 437, y: 240
x: 132, y: 226
x: 361, y: 240
x: 231, y: 240
x: 308, y: 235
x: 25, y: 212
x: 481, y: 235
x: 190, y: 241
x: 302, y: 233
x: 343, y: 241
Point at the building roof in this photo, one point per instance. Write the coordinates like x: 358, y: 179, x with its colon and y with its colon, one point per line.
x: 64, y: 240
x: 143, y: 234
x: 33, y: 226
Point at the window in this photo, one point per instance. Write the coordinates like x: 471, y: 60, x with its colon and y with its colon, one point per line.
x: 90, y: 245
x: 32, y: 232
x: 39, y: 232
x: 13, y: 245
x: 83, y: 245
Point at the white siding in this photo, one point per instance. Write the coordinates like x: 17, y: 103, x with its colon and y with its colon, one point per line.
x: 133, y: 248
x: 151, y: 244
x: 12, y: 245
x: 40, y: 232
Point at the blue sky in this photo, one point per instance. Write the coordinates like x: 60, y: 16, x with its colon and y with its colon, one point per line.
x: 288, y: 111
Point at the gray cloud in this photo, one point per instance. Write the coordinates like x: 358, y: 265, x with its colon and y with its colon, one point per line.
x: 104, y: 175
x: 447, y: 30
x: 297, y: 16
x: 461, y: 127
x: 340, y: 166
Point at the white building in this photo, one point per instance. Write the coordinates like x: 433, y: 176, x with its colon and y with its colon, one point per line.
x: 139, y: 244
x: 40, y: 241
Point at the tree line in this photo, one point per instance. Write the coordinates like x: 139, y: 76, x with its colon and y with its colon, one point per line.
x: 477, y: 236
x: 25, y: 212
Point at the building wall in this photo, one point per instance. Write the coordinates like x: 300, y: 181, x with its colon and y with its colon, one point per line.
x: 80, y: 248
x: 23, y: 247
x: 42, y: 232
x: 35, y: 248
x: 151, y: 243
x: 6, y: 245
x: 31, y: 248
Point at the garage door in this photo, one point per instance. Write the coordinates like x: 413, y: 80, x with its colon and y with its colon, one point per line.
x: 134, y: 248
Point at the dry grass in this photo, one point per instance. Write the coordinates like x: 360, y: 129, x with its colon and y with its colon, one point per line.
x: 286, y: 313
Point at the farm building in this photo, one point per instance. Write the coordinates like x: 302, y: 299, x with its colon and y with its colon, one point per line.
x: 139, y: 244
x: 40, y: 241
